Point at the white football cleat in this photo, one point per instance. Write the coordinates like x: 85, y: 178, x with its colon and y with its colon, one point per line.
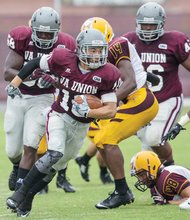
x: 185, y: 205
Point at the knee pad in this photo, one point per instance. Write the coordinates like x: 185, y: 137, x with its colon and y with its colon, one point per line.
x: 45, y: 163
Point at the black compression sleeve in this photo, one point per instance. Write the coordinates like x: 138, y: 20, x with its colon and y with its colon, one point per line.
x: 28, y: 68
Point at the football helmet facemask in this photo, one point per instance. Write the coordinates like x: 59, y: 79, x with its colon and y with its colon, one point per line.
x: 45, y: 20
x: 92, y: 39
x: 101, y: 25
x: 150, y: 13
x: 147, y: 166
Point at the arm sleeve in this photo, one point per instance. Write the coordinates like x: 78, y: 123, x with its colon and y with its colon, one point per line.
x: 109, y: 97
x: 29, y: 68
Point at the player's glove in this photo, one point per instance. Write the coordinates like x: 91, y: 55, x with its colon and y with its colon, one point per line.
x: 13, y: 91
x: 47, y: 81
x: 82, y: 109
x: 159, y: 200
x: 173, y: 133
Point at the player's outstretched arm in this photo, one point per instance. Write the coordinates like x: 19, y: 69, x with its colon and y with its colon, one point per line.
x: 177, y: 128
x: 12, y: 89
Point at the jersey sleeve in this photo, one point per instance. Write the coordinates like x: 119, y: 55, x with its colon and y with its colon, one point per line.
x: 118, y: 50
x: 182, y: 46
x: 18, y: 39
x: 58, y: 60
x: 174, y: 184
x: 67, y: 41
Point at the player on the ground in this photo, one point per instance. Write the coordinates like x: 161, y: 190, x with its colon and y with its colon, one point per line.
x: 168, y: 185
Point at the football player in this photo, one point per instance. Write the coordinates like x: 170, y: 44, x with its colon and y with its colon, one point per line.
x: 84, y: 72
x: 123, y: 55
x: 83, y: 161
x: 24, y: 119
x: 177, y: 128
x: 168, y: 185
x: 138, y: 107
x: 161, y: 52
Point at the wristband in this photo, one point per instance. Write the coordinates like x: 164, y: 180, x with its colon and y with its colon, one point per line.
x: 184, y: 120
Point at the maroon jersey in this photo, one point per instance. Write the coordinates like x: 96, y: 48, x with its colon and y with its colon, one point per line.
x: 171, y: 182
x: 19, y: 40
x: 118, y: 49
x: 97, y: 82
x: 163, y: 57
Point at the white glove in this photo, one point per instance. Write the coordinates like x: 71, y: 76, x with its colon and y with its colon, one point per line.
x: 13, y: 91
x: 159, y: 200
x: 82, y: 109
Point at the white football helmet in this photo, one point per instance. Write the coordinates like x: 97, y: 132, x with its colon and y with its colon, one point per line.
x: 92, y: 38
x: 150, y: 13
x: 45, y: 20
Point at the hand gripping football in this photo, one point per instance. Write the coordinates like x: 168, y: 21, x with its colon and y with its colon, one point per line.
x: 93, y: 101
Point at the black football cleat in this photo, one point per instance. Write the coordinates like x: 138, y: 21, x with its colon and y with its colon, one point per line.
x: 106, y: 178
x: 83, y: 169
x: 11, y: 204
x: 25, y: 207
x: 115, y: 200
x: 12, y: 179
x: 15, y: 200
x: 63, y: 183
x: 22, y: 213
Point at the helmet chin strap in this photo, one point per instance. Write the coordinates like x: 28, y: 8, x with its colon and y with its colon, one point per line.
x: 152, y: 183
x: 149, y: 174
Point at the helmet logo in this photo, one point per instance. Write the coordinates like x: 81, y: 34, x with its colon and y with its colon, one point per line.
x: 44, y: 28
x: 97, y: 42
x: 148, y: 19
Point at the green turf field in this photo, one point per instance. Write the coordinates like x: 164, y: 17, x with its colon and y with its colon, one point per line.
x: 80, y: 205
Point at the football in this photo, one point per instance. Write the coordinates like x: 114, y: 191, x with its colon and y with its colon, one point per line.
x: 93, y: 101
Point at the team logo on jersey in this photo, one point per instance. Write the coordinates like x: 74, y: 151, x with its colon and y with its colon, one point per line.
x: 97, y: 79
x: 68, y: 70
x: 61, y: 46
x: 31, y: 43
x: 163, y: 46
